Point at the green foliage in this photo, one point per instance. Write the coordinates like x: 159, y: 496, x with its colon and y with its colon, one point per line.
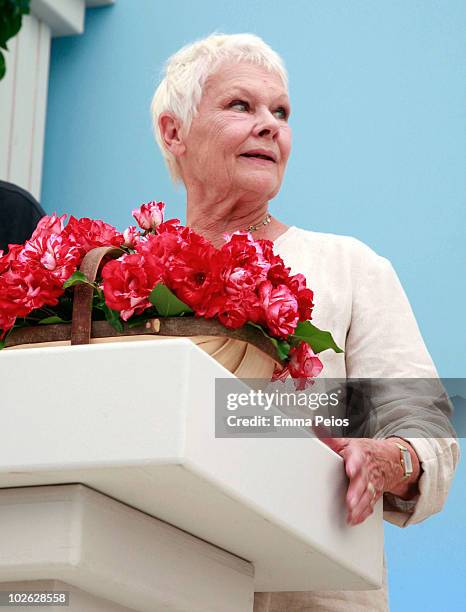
x: 317, y: 339
x: 51, y: 320
x: 282, y: 346
x: 166, y: 302
x: 76, y: 278
x: 11, y: 16
x: 112, y: 316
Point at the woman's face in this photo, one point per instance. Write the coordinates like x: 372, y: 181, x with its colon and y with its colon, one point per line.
x: 239, y: 141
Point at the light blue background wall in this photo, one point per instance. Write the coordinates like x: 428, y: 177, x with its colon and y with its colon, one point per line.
x: 378, y: 92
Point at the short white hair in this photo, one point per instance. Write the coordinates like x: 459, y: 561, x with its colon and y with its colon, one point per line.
x: 186, y: 72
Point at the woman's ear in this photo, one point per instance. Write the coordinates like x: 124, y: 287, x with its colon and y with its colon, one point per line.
x: 170, y: 130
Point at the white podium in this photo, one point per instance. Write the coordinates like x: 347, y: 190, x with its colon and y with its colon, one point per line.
x: 114, y: 487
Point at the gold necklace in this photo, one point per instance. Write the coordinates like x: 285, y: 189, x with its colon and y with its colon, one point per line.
x: 266, y: 221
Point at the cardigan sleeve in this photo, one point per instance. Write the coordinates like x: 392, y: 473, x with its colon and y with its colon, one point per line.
x: 384, y: 342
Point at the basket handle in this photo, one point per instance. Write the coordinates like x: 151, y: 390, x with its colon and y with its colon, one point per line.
x: 82, y: 300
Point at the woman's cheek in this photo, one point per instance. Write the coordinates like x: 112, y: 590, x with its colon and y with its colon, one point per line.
x: 286, y: 143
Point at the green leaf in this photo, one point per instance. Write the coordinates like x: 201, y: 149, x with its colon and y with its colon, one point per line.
x: 113, y: 317
x: 166, y: 302
x: 14, y: 26
x: 75, y: 279
x: 51, y: 320
x: 282, y: 346
x: 317, y: 339
x: 4, y: 30
x: 98, y: 300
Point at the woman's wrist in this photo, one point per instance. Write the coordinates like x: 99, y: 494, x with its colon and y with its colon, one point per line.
x: 398, y: 484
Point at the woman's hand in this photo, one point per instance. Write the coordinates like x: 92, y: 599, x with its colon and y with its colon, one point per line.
x: 373, y: 468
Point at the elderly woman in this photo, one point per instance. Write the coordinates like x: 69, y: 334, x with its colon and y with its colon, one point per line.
x: 221, y: 118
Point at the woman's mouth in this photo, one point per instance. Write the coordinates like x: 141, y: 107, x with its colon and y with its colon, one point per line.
x: 258, y: 158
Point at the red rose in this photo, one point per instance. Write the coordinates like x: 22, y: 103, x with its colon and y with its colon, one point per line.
x: 48, y: 225
x: 54, y: 253
x: 4, y: 263
x: 233, y: 314
x: 29, y: 287
x: 173, y: 226
x: 243, y: 263
x: 163, y: 246
x: 149, y: 216
x: 131, y: 237
x: 88, y: 234
x: 278, y: 273
x: 236, y: 311
x: 280, y: 309
x: 245, y: 252
x: 237, y: 280
x: 193, y: 273
x: 303, y: 366
x: 304, y: 363
x: 14, y: 251
x: 23, y: 288
x: 297, y: 285
x: 127, y: 283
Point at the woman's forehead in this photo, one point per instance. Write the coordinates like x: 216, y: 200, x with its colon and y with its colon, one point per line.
x: 244, y: 78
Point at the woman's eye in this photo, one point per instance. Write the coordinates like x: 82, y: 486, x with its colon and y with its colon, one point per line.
x: 240, y: 104
x: 282, y: 112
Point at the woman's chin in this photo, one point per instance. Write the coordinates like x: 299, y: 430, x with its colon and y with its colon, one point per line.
x: 263, y: 185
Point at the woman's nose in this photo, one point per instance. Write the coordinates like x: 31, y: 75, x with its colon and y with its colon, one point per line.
x: 267, y: 124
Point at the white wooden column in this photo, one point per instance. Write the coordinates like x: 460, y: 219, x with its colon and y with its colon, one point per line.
x: 23, y: 91
x: 23, y: 104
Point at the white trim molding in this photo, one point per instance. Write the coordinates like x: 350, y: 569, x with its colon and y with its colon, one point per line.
x: 112, y: 557
x: 23, y: 91
x: 64, y: 17
x: 92, y: 3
